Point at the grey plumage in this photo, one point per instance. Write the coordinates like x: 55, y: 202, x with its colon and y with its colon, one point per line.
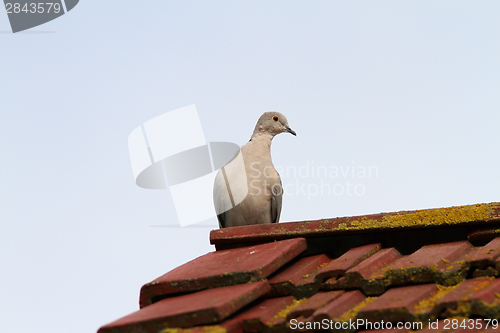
x: 248, y: 189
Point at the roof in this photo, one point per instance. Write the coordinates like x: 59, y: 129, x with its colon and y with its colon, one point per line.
x: 413, y: 267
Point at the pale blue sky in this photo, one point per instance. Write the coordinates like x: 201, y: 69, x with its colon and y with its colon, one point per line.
x: 408, y: 87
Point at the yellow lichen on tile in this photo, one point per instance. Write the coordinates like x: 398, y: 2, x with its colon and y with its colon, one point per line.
x: 315, y: 270
x: 279, y: 231
x: 480, y: 285
x: 283, y: 313
x: 462, y: 309
x: 428, y: 217
x: 439, y: 216
x: 342, y: 226
x: 324, y: 224
x: 351, y: 314
x: 427, y: 304
x: 495, y: 303
x: 364, y: 222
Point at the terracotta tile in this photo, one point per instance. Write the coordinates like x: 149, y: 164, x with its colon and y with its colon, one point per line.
x: 453, y: 301
x: 464, y: 291
x: 277, y: 323
x: 337, y: 267
x: 456, y: 216
x: 307, y: 307
x: 488, y: 294
x: 284, y: 230
x: 366, y: 269
x: 223, y: 268
x: 497, y: 265
x: 397, y: 304
x: 265, y: 312
x: 335, y: 284
x: 229, y: 326
x: 430, y: 255
x: 219, y: 292
x: 490, y: 271
x: 368, y: 275
x: 335, y: 309
x: 298, y: 279
x: 485, y: 255
x: 267, y: 308
x: 474, y: 297
x: 431, y: 263
x: 481, y: 233
x: 200, y: 308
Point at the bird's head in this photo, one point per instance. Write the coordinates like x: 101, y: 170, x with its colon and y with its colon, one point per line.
x: 274, y: 123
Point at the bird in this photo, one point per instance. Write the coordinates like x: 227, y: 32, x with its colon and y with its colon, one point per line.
x: 248, y: 189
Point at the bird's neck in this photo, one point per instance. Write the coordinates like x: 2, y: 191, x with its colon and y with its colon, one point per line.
x: 262, y: 139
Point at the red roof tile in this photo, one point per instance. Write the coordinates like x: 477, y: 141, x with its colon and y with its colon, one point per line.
x: 337, y: 267
x: 437, y: 255
x: 486, y: 255
x: 340, y: 306
x: 265, y: 313
x: 421, y: 269
x: 432, y: 263
x: 489, y: 294
x: 477, y: 215
x: 397, y: 304
x: 223, y: 268
x: 464, y: 291
x: 299, y: 279
x: 310, y: 305
x: 364, y: 275
x: 204, y: 307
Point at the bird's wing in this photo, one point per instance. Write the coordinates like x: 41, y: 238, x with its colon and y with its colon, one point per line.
x: 219, y: 188
x: 276, y: 200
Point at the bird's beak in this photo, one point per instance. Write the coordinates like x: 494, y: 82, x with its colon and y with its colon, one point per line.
x: 291, y: 131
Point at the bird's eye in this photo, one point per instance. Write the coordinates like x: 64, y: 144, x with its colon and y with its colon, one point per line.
x: 275, y: 118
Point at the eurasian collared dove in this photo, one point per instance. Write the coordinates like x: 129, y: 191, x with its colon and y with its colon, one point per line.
x: 248, y: 190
